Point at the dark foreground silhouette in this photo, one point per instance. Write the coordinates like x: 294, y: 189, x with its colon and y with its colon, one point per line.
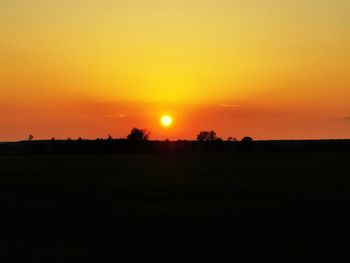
x: 265, y: 202
x: 122, y: 146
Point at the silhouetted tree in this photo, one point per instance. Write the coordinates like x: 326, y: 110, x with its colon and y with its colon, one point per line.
x: 247, y: 140
x: 110, y: 137
x: 247, y: 143
x: 207, y: 136
x: 138, y: 135
x: 30, y: 137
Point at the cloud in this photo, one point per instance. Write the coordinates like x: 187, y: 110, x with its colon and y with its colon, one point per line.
x: 346, y: 118
x: 115, y: 115
x: 229, y: 105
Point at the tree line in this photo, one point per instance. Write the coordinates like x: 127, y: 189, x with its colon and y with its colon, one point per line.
x: 140, y: 135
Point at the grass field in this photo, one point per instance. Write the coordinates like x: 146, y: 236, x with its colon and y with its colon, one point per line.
x: 248, y: 207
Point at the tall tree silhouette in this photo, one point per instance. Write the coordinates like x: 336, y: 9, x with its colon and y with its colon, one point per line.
x: 138, y: 135
x: 247, y: 140
x: 207, y: 136
x: 247, y: 143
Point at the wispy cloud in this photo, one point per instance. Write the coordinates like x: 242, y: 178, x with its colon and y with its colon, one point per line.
x: 346, y: 118
x: 229, y: 105
x: 115, y: 115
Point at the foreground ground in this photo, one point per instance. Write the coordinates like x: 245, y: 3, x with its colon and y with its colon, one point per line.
x: 286, y: 207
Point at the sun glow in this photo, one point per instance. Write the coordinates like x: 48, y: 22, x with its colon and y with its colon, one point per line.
x: 166, y: 121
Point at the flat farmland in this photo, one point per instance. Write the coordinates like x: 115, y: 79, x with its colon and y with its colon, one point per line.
x: 242, y: 207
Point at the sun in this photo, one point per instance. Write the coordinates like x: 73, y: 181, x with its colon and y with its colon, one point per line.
x: 166, y: 121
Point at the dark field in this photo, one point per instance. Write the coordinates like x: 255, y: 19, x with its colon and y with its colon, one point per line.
x: 241, y: 207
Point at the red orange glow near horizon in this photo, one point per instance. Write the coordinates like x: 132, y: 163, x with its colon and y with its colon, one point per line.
x: 269, y: 70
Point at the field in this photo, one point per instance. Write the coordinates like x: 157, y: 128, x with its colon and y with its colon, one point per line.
x: 240, y: 207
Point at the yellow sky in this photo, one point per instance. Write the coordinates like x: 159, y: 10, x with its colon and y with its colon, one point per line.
x: 283, y: 64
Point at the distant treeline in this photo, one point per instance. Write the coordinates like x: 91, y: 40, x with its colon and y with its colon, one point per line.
x: 121, y: 146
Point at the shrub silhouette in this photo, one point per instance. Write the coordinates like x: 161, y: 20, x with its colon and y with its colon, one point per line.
x: 247, y: 143
x: 138, y: 135
x: 207, y: 136
x: 247, y: 140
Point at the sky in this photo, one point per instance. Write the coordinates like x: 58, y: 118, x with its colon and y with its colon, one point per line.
x: 274, y: 69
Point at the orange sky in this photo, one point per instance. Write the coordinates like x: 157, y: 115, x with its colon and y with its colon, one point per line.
x: 269, y: 69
